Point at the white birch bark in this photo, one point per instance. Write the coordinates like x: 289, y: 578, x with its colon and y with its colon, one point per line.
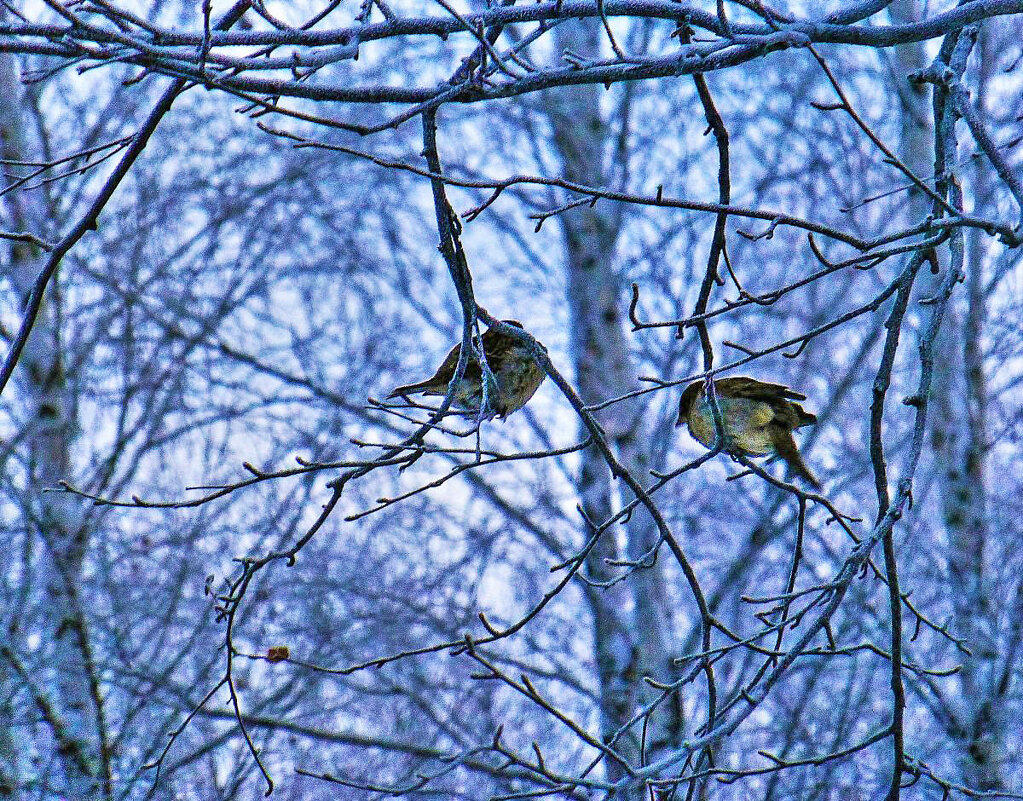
x: 631, y: 629
x: 957, y: 437
x: 69, y: 680
x: 960, y: 436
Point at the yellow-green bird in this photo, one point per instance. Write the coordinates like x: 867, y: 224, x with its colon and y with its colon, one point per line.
x: 758, y: 419
x: 515, y: 370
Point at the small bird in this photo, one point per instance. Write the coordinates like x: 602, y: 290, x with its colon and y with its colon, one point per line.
x: 517, y: 374
x: 758, y: 418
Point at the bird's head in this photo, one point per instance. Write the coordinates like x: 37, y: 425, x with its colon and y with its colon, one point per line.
x: 685, y: 403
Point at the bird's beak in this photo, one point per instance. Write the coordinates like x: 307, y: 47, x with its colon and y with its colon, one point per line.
x: 681, y: 415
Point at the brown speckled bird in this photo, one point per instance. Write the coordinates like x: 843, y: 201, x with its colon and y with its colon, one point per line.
x: 758, y: 419
x: 517, y: 374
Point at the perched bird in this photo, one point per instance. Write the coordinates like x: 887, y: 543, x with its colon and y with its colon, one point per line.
x: 517, y: 374
x: 758, y: 418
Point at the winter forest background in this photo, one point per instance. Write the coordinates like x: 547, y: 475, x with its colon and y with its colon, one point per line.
x: 219, y: 230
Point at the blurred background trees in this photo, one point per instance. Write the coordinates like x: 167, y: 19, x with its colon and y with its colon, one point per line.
x: 189, y: 414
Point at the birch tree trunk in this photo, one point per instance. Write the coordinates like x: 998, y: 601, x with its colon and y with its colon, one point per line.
x: 66, y: 689
x: 958, y: 442
x: 959, y: 437
x: 631, y: 627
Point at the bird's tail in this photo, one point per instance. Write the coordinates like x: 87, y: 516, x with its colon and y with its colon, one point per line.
x: 787, y: 450
x: 427, y: 387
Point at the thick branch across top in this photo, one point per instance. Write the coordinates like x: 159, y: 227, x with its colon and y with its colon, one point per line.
x: 823, y: 31
x: 198, y: 56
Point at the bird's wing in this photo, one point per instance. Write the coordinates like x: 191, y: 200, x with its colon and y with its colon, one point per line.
x: 778, y: 396
x: 744, y: 387
x: 496, y: 347
x: 439, y: 380
x: 446, y: 371
x: 500, y: 349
